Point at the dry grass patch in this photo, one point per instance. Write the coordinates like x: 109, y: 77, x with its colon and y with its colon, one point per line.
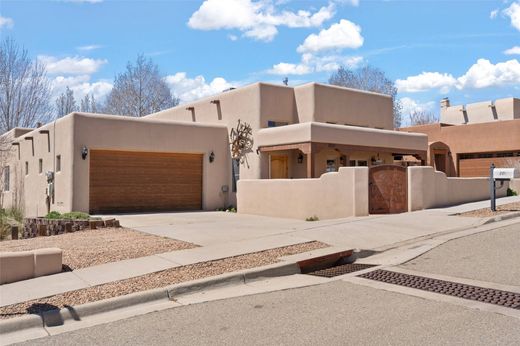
x: 98, y: 246
x: 156, y: 280
x: 486, y: 212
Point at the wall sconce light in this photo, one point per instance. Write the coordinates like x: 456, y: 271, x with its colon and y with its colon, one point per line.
x: 211, y: 157
x: 300, y: 158
x: 84, y: 152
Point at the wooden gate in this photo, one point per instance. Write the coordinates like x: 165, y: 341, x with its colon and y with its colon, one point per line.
x: 387, y: 189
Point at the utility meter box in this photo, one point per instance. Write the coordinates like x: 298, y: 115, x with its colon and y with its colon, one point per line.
x: 505, y: 173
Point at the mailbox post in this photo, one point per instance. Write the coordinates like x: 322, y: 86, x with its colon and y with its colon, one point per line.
x: 492, y: 188
x: 501, y: 175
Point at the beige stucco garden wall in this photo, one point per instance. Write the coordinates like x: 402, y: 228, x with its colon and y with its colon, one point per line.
x: 480, y: 112
x: 431, y: 189
x: 333, y: 195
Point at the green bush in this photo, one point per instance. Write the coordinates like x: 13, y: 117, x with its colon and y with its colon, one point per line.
x: 312, y: 218
x: 511, y: 192
x: 76, y: 215
x: 73, y: 215
x: 229, y: 209
x: 53, y: 215
x: 8, y: 218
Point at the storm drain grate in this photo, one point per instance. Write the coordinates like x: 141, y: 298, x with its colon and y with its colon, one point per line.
x: 480, y: 294
x: 340, y: 270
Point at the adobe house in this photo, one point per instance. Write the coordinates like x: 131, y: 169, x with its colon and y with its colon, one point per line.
x: 184, y: 158
x: 470, y: 137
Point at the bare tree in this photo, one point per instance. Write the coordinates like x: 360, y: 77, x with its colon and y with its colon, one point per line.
x: 24, y: 88
x: 65, y: 103
x: 88, y: 104
x: 139, y: 91
x: 421, y: 117
x: 370, y: 79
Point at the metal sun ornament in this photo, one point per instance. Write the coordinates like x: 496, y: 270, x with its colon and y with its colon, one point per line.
x: 241, y: 138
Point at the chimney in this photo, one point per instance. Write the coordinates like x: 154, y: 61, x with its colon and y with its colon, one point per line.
x: 445, y: 103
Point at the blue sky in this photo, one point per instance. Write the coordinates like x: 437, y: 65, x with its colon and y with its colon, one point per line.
x: 466, y: 50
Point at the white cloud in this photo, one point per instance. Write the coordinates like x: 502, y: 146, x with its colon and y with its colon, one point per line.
x: 233, y: 37
x: 410, y: 105
x: 482, y: 74
x: 71, y: 65
x: 513, y: 12
x: 344, y: 34
x: 89, y: 47
x: 189, y: 89
x: 284, y: 68
x: 81, y: 85
x: 512, y: 51
x: 493, y: 14
x: 311, y: 63
x: 6, y: 22
x: 348, y: 2
x: 426, y: 81
x: 256, y: 19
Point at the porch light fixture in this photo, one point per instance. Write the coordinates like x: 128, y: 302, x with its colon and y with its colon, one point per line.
x: 84, y: 152
x: 300, y: 158
x: 211, y: 157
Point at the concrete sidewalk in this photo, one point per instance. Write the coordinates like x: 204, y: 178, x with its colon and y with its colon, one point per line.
x: 226, y: 235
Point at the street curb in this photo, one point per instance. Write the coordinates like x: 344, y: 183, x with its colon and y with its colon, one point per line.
x: 502, y: 217
x: 168, y: 293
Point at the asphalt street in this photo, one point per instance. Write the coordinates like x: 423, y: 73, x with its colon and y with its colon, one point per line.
x: 492, y: 256
x: 338, y: 313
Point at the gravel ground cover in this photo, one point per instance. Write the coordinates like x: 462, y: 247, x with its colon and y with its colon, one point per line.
x: 156, y: 280
x: 501, y: 209
x: 97, y: 246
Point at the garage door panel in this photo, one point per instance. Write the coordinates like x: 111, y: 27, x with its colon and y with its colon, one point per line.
x: 479, y: 167
x: 144, y: 181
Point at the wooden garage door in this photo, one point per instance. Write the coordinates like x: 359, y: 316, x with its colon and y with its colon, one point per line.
x: 479, y: 167
x: 123, y: 181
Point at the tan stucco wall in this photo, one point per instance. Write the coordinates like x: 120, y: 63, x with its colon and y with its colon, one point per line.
x: 472, y: 138
x: 333, y: 195
x: 352, y: 107
x: 116, y: 133
x: 432, y: 189
x: 341, y: 134
x: 506, y: 109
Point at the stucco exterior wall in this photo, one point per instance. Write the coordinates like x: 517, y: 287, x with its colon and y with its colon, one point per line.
x: 333, y: 195
x: 432, y: 189
x: 28, y: 191
x: 68, y: 135
x: 488, y: 137
x: 133, y: 134
x: 352, y: 107
x: 480, y: 112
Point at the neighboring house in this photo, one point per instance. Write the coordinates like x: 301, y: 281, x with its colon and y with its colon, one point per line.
x: 180, y: 158
x: 471, y: 137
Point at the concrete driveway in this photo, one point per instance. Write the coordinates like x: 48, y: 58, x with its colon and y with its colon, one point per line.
x: 209, y: 228
x: 370, y: 232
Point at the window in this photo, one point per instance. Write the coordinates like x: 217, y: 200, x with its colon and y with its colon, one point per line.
x: 58, y: 163
x: 271, y: 123
x: 26, y: 167
x: 7, y: 176
x: 362, y: 163
x: 40, y: 166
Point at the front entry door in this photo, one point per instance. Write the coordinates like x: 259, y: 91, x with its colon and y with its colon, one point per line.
x: 388, y: 191
x: 279, y: 167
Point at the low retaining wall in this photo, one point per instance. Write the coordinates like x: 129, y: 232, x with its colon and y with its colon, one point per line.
x: 333, y: 195
x: 23, y: 265
x: 432, y: 189
x: 37, y: 227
